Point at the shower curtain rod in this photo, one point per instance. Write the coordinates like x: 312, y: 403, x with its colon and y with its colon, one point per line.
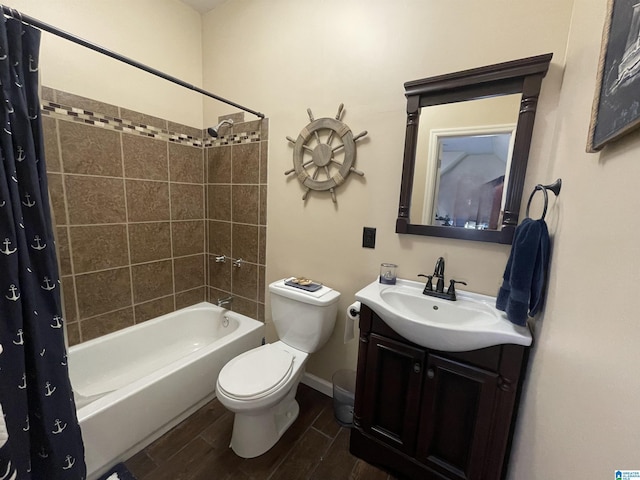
x: 11, y: 12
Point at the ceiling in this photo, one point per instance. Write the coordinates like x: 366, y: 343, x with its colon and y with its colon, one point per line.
x: 203, y: 6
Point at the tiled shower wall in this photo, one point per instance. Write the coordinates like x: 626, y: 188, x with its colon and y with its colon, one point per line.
x: 237, y: 215
x: 129, y: 200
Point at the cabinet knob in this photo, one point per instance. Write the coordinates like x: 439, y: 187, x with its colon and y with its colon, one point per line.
x: 416, y: 367
x: 431, y: 373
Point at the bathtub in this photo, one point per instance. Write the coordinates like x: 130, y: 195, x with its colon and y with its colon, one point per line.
x: 134, y: 385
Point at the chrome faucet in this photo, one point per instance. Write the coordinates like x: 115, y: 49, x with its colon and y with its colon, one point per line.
x: 225, y: 302
x: 438, y: 291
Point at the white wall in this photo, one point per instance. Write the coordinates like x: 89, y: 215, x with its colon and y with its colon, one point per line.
x: 284, y: 56
x: 580, y: 417
x: 163, y: 34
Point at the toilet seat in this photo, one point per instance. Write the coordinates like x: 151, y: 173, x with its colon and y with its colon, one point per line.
x: 256, y: 373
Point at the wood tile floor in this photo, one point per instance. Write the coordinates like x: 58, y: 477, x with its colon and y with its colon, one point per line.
x: 315, y: 447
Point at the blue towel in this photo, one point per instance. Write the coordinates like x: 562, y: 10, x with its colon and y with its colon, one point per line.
x: 524, y: 277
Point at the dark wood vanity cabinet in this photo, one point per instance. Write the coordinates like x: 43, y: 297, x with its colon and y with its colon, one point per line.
x: 426, y: 414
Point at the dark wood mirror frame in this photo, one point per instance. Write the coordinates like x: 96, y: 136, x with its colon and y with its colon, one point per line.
x: 518, y: 76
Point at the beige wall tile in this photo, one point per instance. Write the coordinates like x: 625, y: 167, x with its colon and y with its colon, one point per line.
x: 264, y: 129
x: 186, y: 164
x: 90, y: 150
x: 47, y: 93
x: 244, y: 204
x: 152, y: 280
x: 69, y: 299
x: 95, y: 200
x: 107, y: 323
x: 184, y: 129
x: 190, y: 297
x: 62, y: 250
x: 219, y: 164
x: 142, y: 119
x: 220, y: 238
x: 261, y: 284
x: 73, y: 333
x: 147, y: 201
x: 149, y: 241
x: 187, y: 201
x: 244, y: 281
x: 188, y: 272
x: 245, y: 306
x: 262, y: 206
x: 247, y: 127
x: 99, y: 247
x: 188, y: 237
x: 51, y: 150
x: 57, y: 201
x: 174, y: 227
x: 102, y: 292
x: 219, y: 274
x: 264, y: 164
x: 262, y: 245
x: 244, y: 242
x: 71, y: 100
x: 245, y: 167
x: 219, y: 202
x: 153, y: 309
x: 145, y: 158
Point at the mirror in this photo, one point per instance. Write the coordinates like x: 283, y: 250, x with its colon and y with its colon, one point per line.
x: 466, y: 148
x: 462, y: 160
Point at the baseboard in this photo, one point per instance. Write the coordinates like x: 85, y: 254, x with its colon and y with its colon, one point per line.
x: 317, y: 383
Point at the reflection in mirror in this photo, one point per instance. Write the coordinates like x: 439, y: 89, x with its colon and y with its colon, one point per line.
x: 470, y: 182
x: 463, y: 159
x: 466, y: 149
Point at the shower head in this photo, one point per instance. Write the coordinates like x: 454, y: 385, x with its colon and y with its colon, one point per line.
x: 213, y: 131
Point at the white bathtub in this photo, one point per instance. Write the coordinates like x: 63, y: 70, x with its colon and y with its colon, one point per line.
x: 133, y: 385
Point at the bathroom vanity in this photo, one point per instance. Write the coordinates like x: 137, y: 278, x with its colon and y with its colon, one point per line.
x: 428, y: 414
x: 439, y: 374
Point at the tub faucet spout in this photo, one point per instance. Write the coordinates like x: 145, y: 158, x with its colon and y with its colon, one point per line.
x: 225, y: 302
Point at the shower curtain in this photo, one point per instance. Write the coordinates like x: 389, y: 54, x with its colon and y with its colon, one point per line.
x: 39, y: 433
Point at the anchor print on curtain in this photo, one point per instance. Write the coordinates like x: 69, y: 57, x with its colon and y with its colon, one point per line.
x: 42, y: 439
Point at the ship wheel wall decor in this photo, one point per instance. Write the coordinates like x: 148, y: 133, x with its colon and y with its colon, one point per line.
x: 316, y: 161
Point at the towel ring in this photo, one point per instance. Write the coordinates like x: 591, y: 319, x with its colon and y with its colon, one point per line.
x: 554, y: 187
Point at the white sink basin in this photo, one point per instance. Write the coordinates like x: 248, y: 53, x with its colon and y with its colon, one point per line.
x: 469, y: 323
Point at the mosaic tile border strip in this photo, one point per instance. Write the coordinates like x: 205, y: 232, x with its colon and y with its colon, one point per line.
x: 65, y: 112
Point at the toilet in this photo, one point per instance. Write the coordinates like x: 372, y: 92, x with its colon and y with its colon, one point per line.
x: 260, y: 385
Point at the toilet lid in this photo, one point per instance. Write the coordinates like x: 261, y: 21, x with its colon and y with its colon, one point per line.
x: 255, y: 373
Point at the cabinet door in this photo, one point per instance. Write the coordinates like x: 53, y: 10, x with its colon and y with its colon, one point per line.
x: 456, y: 418
x: 392, y: 388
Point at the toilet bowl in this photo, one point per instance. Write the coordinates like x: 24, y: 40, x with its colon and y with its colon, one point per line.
x: 260, y: 385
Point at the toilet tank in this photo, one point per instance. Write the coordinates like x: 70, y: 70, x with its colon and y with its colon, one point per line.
x: 303, y: 320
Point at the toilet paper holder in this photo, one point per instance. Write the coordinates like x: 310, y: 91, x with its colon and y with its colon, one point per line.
x: 353, y: 313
